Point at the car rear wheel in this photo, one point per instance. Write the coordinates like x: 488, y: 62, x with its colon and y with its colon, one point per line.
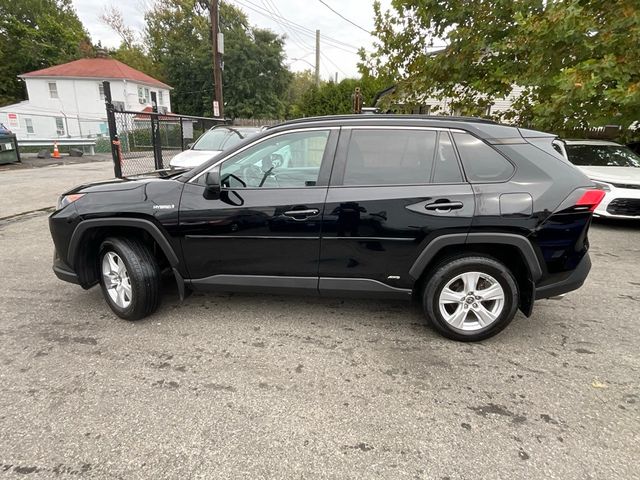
x: 129, y: 277
x: 470, y: 298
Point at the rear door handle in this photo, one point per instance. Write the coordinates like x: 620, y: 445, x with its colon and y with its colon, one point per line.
x: 312, y: 212
x: 444, y: 206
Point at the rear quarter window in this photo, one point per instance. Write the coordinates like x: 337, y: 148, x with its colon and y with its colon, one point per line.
x: 482, y: 164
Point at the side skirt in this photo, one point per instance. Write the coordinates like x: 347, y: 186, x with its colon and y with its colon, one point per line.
x: 350, y: 287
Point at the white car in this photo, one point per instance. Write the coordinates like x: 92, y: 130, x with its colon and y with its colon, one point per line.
x: 211, y: 143
x: 614, y: 168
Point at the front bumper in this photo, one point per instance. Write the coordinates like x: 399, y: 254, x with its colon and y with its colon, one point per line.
x: 572, y: 281
x: 63, y: 272
x: 620, y: 203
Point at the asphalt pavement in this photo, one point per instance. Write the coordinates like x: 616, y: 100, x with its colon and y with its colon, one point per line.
x: 260, y: 386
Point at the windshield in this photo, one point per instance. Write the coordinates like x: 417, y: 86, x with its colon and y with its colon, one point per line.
x: 602, y: 156
x: 218, y: 139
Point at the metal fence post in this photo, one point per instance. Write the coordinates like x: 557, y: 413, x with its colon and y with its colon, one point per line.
x: 181, y: 135
x: 113, y: 131
x: 155, y: 133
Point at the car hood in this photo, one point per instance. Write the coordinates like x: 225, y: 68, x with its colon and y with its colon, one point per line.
x: 612, y: 174
x: 192, y: 158
x: 121, y: 184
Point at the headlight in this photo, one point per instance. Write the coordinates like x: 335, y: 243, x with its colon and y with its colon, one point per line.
x: 65, y: 200
x: 602, y: 185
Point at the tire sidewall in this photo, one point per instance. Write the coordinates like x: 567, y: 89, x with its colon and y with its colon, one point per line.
x: 446, y: 272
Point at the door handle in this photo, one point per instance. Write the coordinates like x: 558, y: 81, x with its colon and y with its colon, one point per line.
x: 302, y: 213
x: 444, y: 206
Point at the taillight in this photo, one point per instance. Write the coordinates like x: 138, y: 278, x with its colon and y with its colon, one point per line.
x: 590, y: 199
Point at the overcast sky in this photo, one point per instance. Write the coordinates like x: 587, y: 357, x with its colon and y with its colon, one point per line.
x: 309, y: 15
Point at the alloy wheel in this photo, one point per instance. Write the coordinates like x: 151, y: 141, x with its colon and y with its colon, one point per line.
x: 116, y: 279
x: 471, y: 301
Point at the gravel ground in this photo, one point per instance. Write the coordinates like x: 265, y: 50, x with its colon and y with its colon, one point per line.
x: 251, y: 386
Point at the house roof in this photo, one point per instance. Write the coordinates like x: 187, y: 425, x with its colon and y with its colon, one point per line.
x: 102, y: 68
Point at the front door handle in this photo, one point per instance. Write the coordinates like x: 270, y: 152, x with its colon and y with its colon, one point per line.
x: 444, y: 206
x: 295, y: 214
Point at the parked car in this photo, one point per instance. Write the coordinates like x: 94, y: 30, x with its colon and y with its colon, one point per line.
x: 614, y: 168
x: 473, y: 218
x: 210, y: 143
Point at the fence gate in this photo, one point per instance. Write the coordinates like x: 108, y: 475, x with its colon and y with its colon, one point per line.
x: 148, y: 140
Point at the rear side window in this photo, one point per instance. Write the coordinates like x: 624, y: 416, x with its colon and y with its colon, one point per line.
x: 481, y: 162
x: 390, y: 157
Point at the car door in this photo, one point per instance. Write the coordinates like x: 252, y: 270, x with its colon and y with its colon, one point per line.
x: 263, y: 232
x: 392, y: 191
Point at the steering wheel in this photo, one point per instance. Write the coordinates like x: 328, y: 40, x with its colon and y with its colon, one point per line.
x: 252, y: 175
x: 277, y: 160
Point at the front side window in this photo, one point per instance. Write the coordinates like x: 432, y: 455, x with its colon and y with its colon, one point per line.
x: 481, y: 162
x: 291, y: 160
x: 101, y: 91
x: 161, y: 97
x: 28, y: 123
x: 390, y: 157
x: 59, y: 126
x: 53, y: 90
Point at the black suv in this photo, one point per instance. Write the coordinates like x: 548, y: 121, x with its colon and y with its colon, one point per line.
x: 473, y: 218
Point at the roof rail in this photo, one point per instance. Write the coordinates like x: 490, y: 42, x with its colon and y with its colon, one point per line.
x: 442, y: 118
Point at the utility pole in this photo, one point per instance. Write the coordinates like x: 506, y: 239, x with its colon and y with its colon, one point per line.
x: 218, y: 50
x: 317, y: 58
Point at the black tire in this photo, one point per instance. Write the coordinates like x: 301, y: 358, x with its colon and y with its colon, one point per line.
x: 144, y: 276
x: 450, y: 269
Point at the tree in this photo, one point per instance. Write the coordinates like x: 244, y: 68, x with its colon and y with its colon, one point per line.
x: 178, y: 36
x: 36, y: 34
x: 332, y: 98
x: 131, y: 50
x: 577, y: 60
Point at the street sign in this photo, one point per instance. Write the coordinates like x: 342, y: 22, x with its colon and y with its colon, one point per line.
x: 216, y: 109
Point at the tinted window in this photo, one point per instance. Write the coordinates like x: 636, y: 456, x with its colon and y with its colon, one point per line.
x: 213, y: 139
x: 602, y: 156
x: 481, y: 162
x: 389, y: 157
x: 446, y: 168
x: 288, y: 160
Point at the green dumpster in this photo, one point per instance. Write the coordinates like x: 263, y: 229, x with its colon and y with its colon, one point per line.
x: 8, y: 148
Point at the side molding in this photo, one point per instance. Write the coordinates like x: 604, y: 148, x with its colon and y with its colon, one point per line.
x: 257, y: 283
x: 360, y: 287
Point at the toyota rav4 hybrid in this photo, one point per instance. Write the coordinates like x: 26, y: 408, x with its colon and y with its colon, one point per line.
x: 474, y: 219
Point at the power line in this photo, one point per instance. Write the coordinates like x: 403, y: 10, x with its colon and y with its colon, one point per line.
x: 343, y: 17
x: 332, y: 63
x: 332, y: 42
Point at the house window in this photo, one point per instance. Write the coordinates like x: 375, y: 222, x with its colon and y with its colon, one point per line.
x: 147, y: 96
x: 101, y: 91
x: 59, y: 126
x: 140, y: 95
x: 28, y: 123
x: 53, y: 90
x: 161, y: 97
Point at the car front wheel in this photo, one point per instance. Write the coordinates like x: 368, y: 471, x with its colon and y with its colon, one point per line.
x: 129, y: 277
x: 470, y: 298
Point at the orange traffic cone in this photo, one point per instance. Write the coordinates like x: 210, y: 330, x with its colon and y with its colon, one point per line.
x: 56, y: 152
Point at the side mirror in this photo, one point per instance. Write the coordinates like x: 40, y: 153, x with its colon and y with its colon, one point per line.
x: 212, y: 184
x: 190, y: 145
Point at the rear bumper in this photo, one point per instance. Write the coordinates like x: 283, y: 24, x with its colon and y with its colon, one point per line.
x: 572, y: 282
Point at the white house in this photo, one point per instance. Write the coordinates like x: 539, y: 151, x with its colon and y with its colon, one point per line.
x: 68, y: 100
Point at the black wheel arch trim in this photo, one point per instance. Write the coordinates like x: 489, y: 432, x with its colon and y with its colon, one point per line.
x: 146, y: 225
x: 437, y: 244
